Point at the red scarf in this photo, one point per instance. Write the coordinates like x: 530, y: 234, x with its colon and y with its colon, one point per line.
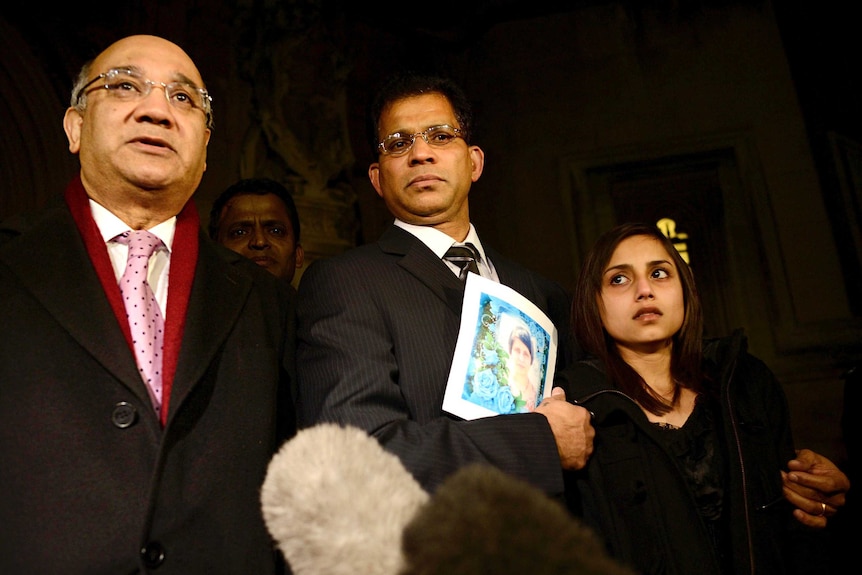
x: 184, y: 255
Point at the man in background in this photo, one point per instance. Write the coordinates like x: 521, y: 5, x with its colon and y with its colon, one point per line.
x: 257, y: 218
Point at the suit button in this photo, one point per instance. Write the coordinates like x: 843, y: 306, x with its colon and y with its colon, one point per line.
x: 124, y: 415
x: 153, y: 554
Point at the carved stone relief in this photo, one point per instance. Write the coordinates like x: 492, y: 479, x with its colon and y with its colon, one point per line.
x: 299, y: 132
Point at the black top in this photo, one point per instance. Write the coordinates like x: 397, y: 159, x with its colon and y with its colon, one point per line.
x: 702, y: 462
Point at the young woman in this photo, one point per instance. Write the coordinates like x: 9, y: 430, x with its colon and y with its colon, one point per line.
x: 690, y: 441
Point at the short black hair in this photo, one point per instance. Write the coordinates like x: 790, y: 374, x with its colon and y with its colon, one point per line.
x: 253, y: 186
x: 521, y: 333
x: 406, y: 84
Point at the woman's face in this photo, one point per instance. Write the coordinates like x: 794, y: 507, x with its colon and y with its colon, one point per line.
x: 641, y: 301
x: 520, y: 355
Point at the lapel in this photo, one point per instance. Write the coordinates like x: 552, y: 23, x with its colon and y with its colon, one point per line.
x: 512, y: 275
x: 218, y: 294
x: 57, y: 271
x: 424, y: 265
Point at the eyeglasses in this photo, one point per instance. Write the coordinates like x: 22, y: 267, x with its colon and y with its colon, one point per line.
x: 126, y: 84
x: 438, y: 136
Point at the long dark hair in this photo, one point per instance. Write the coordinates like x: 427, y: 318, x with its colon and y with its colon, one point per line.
x: 587, y: 325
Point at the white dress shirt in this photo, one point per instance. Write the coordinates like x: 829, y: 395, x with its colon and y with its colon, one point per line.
x: 110, y: 226
x: 439, y: 243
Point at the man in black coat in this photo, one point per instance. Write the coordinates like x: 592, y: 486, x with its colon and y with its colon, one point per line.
x: 98, y: 473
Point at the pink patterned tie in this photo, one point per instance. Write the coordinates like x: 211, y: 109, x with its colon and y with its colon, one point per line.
x: 145, y: 317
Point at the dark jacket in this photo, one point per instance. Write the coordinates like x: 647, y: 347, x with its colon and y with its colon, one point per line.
x: 88, y: 479
x: 635, y: 494
x: 376, y: 330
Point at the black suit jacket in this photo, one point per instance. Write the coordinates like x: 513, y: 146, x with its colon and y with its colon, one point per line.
x: 88, y: 478
x: 376, y: 330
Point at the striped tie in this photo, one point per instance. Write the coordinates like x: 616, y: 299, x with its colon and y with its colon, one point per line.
x: 464, y: 257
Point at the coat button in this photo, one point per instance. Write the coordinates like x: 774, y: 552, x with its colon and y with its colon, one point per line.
x: 153, y: 554
x: 124, y: 415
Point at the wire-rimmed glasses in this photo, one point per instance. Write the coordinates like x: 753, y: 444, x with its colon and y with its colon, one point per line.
x: 438, y: 136
x: 128, y: 84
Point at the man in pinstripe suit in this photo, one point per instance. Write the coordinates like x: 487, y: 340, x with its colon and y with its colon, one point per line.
x: 377, y: 326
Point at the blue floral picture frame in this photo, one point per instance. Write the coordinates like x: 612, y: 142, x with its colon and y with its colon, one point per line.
x: 482, y: 381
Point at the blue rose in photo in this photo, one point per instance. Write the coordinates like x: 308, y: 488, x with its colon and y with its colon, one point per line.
x: 485, y: 387
x: 490, y: 357
x: 505, y: 402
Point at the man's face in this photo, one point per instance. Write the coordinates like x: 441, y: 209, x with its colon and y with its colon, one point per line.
x: 427, y: 185
x: 140, y: 147
x: 258, y: 227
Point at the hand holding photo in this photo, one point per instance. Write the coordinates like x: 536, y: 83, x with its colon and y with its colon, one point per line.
x: 505, y: 356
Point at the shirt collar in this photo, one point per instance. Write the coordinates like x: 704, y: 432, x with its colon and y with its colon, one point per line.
x: 110, y: 226
x: 438, y: 242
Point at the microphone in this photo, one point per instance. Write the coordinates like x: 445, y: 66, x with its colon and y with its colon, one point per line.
x: 482, y: 520
x: 336, y: 502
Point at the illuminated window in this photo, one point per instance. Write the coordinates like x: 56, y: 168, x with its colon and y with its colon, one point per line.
x: 668, y: 228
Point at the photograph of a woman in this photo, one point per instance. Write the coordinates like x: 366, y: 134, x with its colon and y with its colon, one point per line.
x: 505, y: 356
x: 522, y: 376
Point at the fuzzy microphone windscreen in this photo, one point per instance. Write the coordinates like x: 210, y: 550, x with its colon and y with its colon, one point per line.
x: 336, y: 503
